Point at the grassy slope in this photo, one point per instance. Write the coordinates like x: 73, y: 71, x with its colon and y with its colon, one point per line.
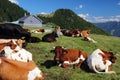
x: 43, y: 57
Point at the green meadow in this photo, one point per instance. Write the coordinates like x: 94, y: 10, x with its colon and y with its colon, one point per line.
x: 44, y: 58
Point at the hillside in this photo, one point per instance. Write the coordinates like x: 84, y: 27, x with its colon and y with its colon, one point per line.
x: 112, y: 27
x: 67, y: 19
x: 10, y: 11
x: 43, y: 57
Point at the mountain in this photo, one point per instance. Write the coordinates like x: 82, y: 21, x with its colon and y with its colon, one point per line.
x: 10, y: 11
x: 112, y: 27
x: 67, y: 19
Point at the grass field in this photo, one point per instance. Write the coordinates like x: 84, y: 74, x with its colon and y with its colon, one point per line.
x: 43, y: 57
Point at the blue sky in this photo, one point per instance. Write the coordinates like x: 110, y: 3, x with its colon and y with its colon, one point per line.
x: 90, y: 10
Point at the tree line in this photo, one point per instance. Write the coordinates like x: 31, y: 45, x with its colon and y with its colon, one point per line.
x: 10, y: 11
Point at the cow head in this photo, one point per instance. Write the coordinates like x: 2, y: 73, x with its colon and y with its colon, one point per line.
x: 112, y: 57
x: 13, y: 45
x: 59, y: 52
x: 109, y: 56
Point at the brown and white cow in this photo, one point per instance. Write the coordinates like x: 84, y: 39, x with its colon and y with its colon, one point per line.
x: 73, y: 33
x: 85, y: 33
x: 101, y: 61
x: 38, y: 31
x: 15, y: 70
x: 68, y: 57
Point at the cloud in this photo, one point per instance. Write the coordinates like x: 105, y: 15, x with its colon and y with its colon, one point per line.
x: 44, y: 13
x: 103, y: 19
x: 118, y: 3
x: 14, y: 1
x: 84, y: 16
x: 79, y: 7
x: 98, y: 19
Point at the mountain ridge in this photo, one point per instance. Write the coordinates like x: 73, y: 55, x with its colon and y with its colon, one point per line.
x: 113, y: 27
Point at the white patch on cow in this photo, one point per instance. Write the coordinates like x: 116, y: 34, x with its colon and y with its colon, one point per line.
x: 8, y: 52
x: 36, y: 72
x: 66, y: 62
x: 75, y: 62
x: 91, y: 40
x: 77, y: 35
x: 21, y: 55
x: 82, y: 58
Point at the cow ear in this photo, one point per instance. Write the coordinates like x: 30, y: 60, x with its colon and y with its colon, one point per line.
x: 65, y: 51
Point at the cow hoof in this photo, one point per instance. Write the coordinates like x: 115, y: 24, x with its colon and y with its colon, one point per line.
x: 112, y: 72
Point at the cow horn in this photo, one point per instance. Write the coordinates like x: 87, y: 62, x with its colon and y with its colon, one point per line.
x: 62, y: 47
x: 53, y: 47
x: 0, y: 61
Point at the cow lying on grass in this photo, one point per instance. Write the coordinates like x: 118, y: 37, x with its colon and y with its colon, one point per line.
x: 12, y: 51
x: 73, y: 33
x: 100, y: 61
x: 68, y: 57
x: 16, y: 70
x: 13, y: 31
x: 85, y: 34
x: 50, y: 37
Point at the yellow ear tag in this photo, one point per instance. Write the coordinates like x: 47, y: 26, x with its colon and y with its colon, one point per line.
x: 14, y: 52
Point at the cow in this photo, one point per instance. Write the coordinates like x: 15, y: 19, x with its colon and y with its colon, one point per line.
x: 85, y: 33
x: 16, y: 70
x: 68, y: 57
x: 34, y: 39
x: 73, y: 33
x: 38, y: 31
x: 50, y: 37
x: 101, y: 61
x: 12, y: 51
x: 57, y: 31
x: 13, y: 31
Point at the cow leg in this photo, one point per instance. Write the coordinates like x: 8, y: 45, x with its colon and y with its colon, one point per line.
x: 65, y: 65
x: 109, y: 69
x: 79, y: 64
